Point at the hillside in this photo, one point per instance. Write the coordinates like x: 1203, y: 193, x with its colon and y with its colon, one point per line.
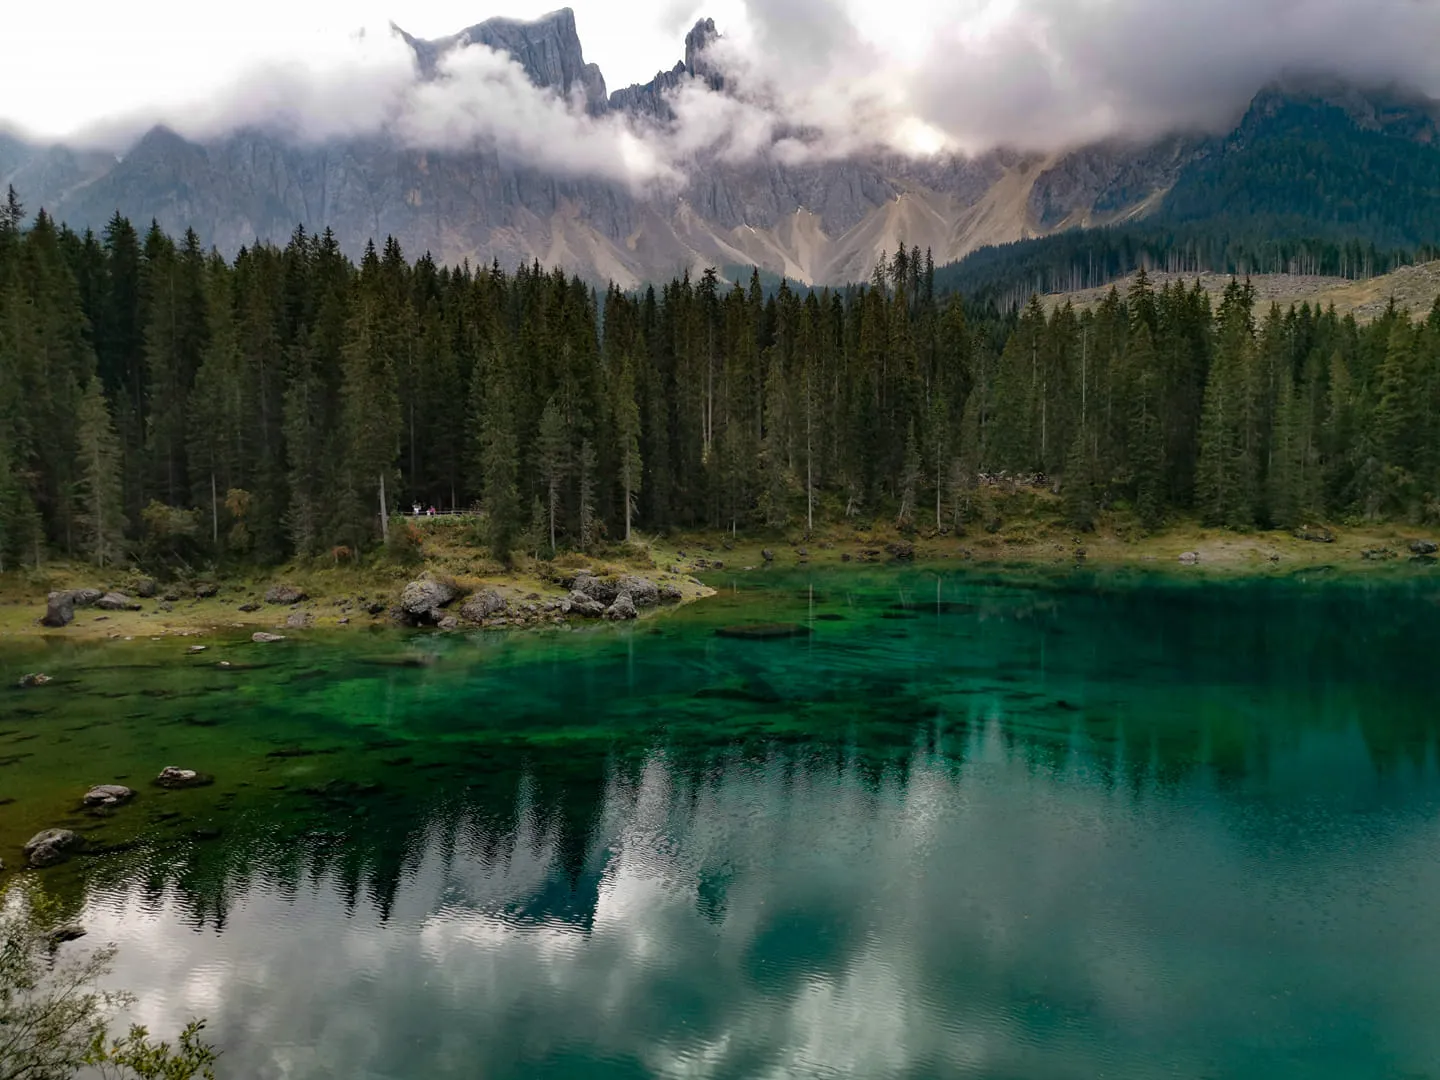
x: 1414, y: 289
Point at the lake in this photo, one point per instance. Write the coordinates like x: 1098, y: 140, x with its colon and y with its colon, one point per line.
x: 969, y: 825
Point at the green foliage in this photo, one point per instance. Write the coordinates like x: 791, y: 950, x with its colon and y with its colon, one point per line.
x: 54, y: 1020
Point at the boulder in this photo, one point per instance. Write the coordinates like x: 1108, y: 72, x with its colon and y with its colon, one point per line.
x: 580, y: 604
x: 284, y: 595
x: 52, y: 846
x: 174, y: 777
x: 1189, y: 558
x: 449, y: 622
x: 193, y: 649
x: 146, y: 588
x: 1377, y: 554
x: 114, y: 601
x: 59, y: 610
x: 375, y: 608
x: 669, y: 594
x: 260, y: 637
x: 206, y: 590
x: 85, y: 597
x: 1316, y: 534
x: 108, y: 795
x: 248, y: 608
x: 421, y: 600
x: 1424, y: 547
x: 768, y: 555
x: 598, y: 589
x: 643, y: 592
x: 32, y: 679
x: 297, y: 620
x: 622, y: 608
x: 483, y: 605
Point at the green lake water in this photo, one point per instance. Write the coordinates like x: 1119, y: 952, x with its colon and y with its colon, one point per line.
x: 1000, y: 826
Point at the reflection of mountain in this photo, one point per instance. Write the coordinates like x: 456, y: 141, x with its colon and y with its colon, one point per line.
x: 1308, y: 159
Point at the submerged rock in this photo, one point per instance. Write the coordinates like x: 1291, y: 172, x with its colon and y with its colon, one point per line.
x: 32, y: 679
x: 764, y: 631
x: 284, y: 595
x: 108, y: 795
x: 172, y: 776
x: 260, y: 637
x: 52, y: 846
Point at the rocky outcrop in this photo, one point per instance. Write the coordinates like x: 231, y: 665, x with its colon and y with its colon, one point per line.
x: 643, y: 592
x: 108, y: 795
x: 602, y: 590
x: 421, y: 601
x: 52, y: 846
x: 485, y: 604
x: 284, y: 595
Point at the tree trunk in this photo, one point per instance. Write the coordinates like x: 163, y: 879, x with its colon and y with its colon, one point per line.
x: 627, y: 507
x: 384, y: 512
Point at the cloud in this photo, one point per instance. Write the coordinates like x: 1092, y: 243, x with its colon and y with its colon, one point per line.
x: 811, y: 80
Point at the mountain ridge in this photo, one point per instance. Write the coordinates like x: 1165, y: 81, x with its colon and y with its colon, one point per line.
x: 823, y: 222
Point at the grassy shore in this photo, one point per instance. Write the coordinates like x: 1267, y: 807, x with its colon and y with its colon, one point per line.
x: 344, y: 594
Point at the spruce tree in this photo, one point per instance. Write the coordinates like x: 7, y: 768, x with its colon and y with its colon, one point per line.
x: 552, y: 454
x: 99, y: 494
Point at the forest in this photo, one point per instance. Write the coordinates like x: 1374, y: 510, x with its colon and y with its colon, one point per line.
x: 162, y: 404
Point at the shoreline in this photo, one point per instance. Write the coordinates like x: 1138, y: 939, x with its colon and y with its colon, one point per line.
x: 345, y: 598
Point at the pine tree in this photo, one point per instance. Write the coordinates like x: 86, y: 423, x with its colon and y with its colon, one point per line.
x: 1078, y: 491
x: 910, y: 476
x: 627, y: 430
x: 587, y: 467
x: 499, y: 467
x: 552, y: 453
x: 99, y: 493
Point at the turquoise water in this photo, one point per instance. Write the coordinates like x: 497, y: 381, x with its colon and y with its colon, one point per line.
x: 970, y: 826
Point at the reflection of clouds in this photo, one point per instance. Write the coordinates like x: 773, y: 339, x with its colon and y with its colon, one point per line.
x: 991, y: 918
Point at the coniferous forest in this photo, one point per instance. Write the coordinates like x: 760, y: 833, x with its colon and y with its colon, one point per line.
x: 160, y: 402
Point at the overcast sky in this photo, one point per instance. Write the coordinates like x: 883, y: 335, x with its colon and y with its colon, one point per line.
x: 916, y: 75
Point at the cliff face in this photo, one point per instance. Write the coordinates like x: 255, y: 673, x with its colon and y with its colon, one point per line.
x: 821, y: 223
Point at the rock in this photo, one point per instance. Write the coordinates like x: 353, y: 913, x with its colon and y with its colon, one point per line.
x: 206, y: 590
x: 59, y: 610
x: 1316, y: 534
x: 193, y: 649
x: 901, y: 549
x: 65, y: 934
x: 643, y: 592
x: 171, y: 597
x: 1423, y: 547
x: 597, y: 589
x: 622, y: 608
x: 32, y: 679
x: 421, y: 601
x: 375, y: 608
x: 85, y: 597
x: 449, y: 622
x: 804, y: 553
x: 581, y: 604
x: 146, y: 588
x: 174, y: 777
x: 284, y: 595
x: 1189, y: 558
x: 165, y: 605
x: 1377, y: 554
x: 344, y: 620
x: 52, y: 846
x: 768, y: 555
x: 248, y: 608
x: 669, y: 594
x: 114, y: 601
x: 108, y: 795
x: 297, y: 620
x: 482, y: 605
x: 845, y: 556
x: 718, y: 564
x: 260, y: 637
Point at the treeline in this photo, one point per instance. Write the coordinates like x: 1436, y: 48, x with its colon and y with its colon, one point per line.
x: 1009, y: 274
x: 158, y: 401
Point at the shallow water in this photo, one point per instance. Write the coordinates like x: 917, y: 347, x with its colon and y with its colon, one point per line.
x: 970, y: 825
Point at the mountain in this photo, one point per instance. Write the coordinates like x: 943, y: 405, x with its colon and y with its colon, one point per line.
x: 1309, y: 157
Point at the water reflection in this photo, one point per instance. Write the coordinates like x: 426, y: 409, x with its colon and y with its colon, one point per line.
x: 792, y: 917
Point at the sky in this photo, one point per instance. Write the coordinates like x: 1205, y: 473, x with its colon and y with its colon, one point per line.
x: 853, y: 75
